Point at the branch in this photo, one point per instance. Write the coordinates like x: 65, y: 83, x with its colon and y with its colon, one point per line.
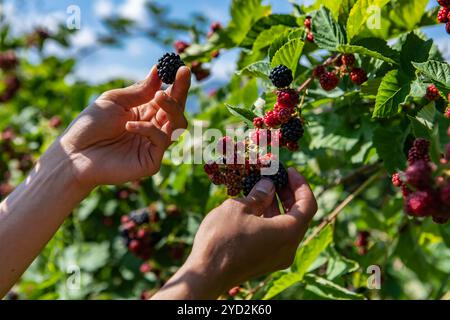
x: 332, y: 216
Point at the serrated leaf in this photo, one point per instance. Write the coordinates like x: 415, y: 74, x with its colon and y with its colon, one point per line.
x: 426, y: 115
x: 308, y: 253
x: 359, y: 14
x: 260, y: 69
x: 389, y: 142
x: 371, y: 87
x: 289, y: 55
x: 414, y: 49
x: 265, y: 38
x: 436, y: 71
x: 282, y: 283
x: 329, y: 290
x: 266, y: 23
x: 334, y: 6
x: 348, y: 48
x: 328, y: 34
x: 338, y: 264
x: 393, y: 90
x: 408, y: 13
x: 244, y: 13
x: 242, y: 113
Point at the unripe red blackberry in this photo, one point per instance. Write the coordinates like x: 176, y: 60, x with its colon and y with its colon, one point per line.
x: 420, y: 203
x: 168, y: 66
x: 307, y: 23
x: 310, y: 37
x: 232, y: 178
x: 318, y: 71
x: 292, y: 145
x: 348, y: 60
x: 211, y: 167
x: 292, y: 130
x: 249, y: 182
x: 329, y: 81
x: 447, y: 113
x: 201, y: 74
x: 396, y: 181
x: 55, y: 122
x: 444, y: 3
x: 419, y: 151
x: 215, y: 26
x: 271, y: 119
x: 442, y: 16
x: 288, y: 98
x: 145, y: 267
x: 418, y: 174
x: 258, y: 123
x: 281, y: 76
x: 217, y: 178
x: 284, y: 115
x: 180, y: 46
x: 432, y: 93
x: 234, y: 291
x: 444, y: 194
x: 362, y: 241
x: 358, y: 76
x: 8, y: 60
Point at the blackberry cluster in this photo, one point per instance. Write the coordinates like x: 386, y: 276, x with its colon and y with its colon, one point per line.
x: 8, y: 60
x: 137, y: 234
x: 344, y: 65
x: 281, y: 76
x: 425, y: 185
x: 432, y: 93
x: 198, y: 68
x: 447, y: 110
x: 444, y: 14
x: 308, y: 23
x: 168, y: 66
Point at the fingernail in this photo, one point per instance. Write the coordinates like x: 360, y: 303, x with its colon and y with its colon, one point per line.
x: 132, y: 125
x: 265, y: 186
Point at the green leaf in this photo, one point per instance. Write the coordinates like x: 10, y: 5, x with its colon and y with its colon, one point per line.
x: 329, y: 290
x: 426, y: 115
x: 244, y: 13
x: 327, y: 32
x: 308, y: 253
x: 408, y: 13
x: 265, y: 38
x: 88, y: 206
x: 414, y: 49
x: 389, y: 142
x: 436, y: 71
x: 283, y: 282
x: 338, y: 264
x: 283, y: 38
x: 266, y: 23
x: 334, y: 6
x: 371, y: 87
x: 359, y: 15
x: 242, y: 113
x: 393, y: 90
x: 348, y: 48
x: 289, y: 55
x: 260, y: 69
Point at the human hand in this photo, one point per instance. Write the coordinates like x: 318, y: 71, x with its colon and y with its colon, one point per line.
x: 123, y: 135
x: 245, y: 238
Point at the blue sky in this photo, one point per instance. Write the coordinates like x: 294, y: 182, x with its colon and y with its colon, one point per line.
x: 134, y: 59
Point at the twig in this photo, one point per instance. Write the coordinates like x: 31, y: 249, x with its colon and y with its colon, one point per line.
x: 332, y: 216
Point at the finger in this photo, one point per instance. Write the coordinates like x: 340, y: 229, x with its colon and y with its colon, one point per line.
x: 305, y: 205
x: 261, y: 197
x: 273, y: 210
x: 136, y: 94
x: 148, y: 130
x: 287, y: 197
x: 172, y: 109
x: 180, y: 88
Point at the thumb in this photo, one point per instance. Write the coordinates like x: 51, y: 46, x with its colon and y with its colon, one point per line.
x: 136, y: 94
x: 261, y: 197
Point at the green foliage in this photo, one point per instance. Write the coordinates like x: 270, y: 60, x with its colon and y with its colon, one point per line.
x: 352, y: 134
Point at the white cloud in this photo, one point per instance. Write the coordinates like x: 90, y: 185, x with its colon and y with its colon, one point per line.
x: 134, y: 10
x: 444, y: 46
x: 97, y: 73
x: 85, y: 37
x: 103, y: 8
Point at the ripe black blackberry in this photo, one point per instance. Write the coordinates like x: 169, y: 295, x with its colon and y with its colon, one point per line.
x: 279, y: 179
x: 140, y: 216
x: 281, y: 76
x: 168, y: 66
x: 249, y: 182
x: 292, y: 130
